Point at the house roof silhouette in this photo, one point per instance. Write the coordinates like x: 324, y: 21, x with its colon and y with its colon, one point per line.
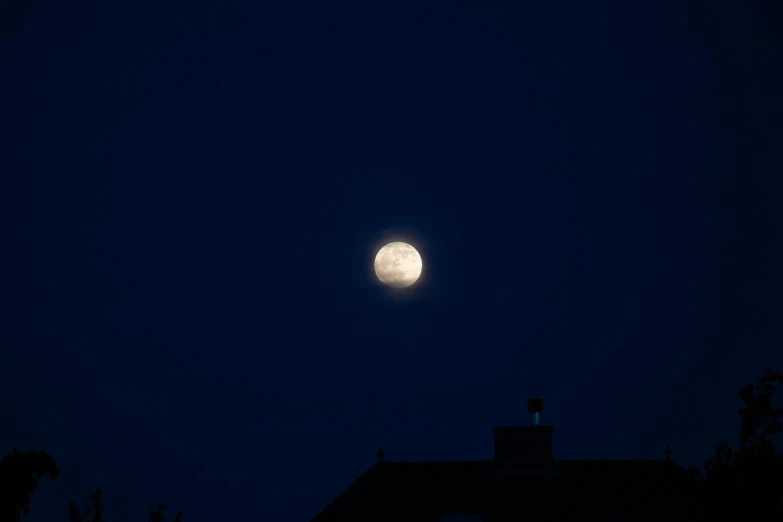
x: 429, y: 490
x: 522, y: 479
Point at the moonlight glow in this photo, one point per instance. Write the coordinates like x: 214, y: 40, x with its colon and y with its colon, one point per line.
x: 398, y: 265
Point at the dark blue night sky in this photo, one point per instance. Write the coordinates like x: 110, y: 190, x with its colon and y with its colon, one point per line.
x: 192, y: 196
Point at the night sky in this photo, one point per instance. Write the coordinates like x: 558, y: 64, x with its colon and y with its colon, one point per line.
x: 192, y: 196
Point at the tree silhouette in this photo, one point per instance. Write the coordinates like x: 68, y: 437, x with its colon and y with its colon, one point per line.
x: 157, y: 514
x: 83, y: 515
x: 19, y: 475
x: 748, y: 483
x: 94, y: 506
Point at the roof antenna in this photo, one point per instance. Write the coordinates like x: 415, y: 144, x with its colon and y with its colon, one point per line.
x: 380, y: 453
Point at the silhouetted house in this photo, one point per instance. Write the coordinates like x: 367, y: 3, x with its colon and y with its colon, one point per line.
x: 522, y: 482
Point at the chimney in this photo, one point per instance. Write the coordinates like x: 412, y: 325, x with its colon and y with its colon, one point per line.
x: 525, y: 447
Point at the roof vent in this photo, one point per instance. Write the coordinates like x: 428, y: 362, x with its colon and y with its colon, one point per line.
x: 535, y: 407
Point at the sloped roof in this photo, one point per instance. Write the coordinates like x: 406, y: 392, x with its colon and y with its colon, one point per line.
x: 456, y: 486
x: 424, y: 490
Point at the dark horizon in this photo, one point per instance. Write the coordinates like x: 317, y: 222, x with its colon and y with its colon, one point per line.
x: 194, y: 195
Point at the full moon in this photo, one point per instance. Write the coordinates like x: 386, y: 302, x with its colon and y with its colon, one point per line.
x: 398, y: 265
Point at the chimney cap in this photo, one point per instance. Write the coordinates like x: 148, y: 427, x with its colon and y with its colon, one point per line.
x: 535, y: 405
